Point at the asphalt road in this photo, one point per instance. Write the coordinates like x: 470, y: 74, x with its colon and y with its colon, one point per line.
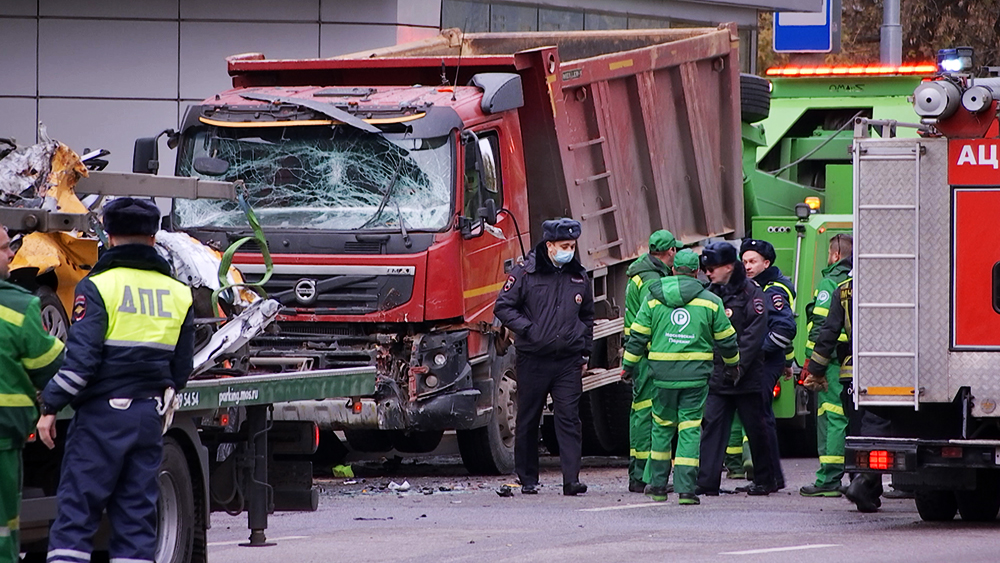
x: 468, y: 521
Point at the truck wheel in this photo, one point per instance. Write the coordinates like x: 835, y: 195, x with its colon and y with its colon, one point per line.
x: 369, y: 440
x: 983, y: 503
x: 548, y: 433
x: 604, y: 413
x: 490, y: 450
x: 755, y: 98
x: 175, y: 516
x: 54, y: 319
x: 936, y: 506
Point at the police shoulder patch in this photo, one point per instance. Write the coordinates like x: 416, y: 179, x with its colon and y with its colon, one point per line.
x: 777, y: 301
x: 510, y: 283
x: 729, y: 312
x: 758, y: 305
x: 79, y: 307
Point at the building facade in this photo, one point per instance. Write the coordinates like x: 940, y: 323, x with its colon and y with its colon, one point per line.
x: 100, y: 73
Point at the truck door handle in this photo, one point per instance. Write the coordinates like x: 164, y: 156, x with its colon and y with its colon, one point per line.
x: 996, y: 287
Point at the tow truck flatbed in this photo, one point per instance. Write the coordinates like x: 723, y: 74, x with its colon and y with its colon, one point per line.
x: 201, y: 394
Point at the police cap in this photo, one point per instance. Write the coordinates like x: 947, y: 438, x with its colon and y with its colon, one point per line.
x: 762, y: 247
x: 560, y: 229
x: 718, y: 254
x: 128, y: 216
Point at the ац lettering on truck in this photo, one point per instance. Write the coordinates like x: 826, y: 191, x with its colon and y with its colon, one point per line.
x: 394, y: 209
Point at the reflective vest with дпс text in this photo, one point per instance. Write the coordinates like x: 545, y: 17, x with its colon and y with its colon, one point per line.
x: 145, y: 308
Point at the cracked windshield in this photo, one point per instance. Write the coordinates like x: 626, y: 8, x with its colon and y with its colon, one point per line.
x: 326, y: 178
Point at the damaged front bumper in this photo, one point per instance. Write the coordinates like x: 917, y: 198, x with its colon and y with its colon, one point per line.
x: 423, y: 382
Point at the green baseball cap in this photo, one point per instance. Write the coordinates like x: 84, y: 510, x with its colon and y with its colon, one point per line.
x: 663, y: 240
x: 686, y: 262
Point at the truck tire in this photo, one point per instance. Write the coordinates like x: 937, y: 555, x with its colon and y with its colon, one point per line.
x: 548, y: 434
x: 755, y: 98
x: 982, y: 503
x: 54, y: 319
x: 175, y: 512
x: 605, y: 415
x: 490, y: 450
x: 936, y: 506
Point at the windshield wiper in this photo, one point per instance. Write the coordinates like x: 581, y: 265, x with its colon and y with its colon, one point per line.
x: 402, y: 228
x: 319, y: 107
x: 388, y: 193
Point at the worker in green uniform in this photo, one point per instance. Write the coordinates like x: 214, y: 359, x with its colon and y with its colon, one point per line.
x: 29, y: 357
x: 831, y: 421
x: 676, y: 329
x: 645, y: 270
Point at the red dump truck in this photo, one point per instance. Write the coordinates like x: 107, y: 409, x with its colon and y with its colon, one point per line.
x: 398, y: 187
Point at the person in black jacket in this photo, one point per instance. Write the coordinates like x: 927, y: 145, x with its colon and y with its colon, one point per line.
x: 758, y: 258
x: 132, y: 338
x: 548, y: 304
x: 744, y: 302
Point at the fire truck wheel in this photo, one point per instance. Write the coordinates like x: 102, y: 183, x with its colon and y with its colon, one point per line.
x: 755, y: 98
x: 936, y: 506
x: 983, y: 503
x: 490, y: 450
x: 54, y: 317
x: 175, y: 508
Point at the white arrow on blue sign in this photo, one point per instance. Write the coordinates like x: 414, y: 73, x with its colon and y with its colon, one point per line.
x: 806, y: 32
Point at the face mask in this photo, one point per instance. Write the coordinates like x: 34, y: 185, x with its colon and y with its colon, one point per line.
x: 563, y: 257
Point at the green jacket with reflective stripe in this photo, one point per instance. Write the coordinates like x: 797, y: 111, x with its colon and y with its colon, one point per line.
x: 644, y: 270
x: 29, y: 357
x: 677, y: 329
x: 819, y: 309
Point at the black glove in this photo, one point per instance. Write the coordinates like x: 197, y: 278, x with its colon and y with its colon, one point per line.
x: 732, y: 374
x: 627, y: 375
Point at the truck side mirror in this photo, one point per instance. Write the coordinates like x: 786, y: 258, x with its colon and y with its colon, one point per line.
x: 146, y: 156
x: 488, y: 212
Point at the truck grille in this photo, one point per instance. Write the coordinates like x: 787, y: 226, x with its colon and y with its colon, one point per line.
x: 346, y: 294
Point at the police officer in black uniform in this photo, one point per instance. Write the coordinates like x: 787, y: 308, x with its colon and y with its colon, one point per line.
x: 744, y: 303
x: 758, y: 259
x: 132, y: 338
x: 548, y: 304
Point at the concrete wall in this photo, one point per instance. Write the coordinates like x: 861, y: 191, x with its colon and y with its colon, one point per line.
x: 99, y: 73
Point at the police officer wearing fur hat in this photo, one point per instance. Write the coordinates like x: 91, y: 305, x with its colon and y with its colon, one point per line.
x: 547, y: 302
x: 758, y: 259
x: 728, y: 392
x: 132, y: 338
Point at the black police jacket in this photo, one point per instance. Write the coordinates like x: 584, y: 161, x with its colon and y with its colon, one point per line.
x: 780, y: 316
x: 549, y: 309
x: 746, y: 309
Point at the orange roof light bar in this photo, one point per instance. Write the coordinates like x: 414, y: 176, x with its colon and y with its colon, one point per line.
x: 852, y: 70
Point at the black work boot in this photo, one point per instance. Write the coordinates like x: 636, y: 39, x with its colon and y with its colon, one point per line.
x: 636, y: 486
x: 573, y: 489
x: 688, y: 498
x: 864, y: 491
x: 658, y: 494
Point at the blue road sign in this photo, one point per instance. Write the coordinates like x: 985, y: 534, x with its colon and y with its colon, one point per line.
x: 805, y: 32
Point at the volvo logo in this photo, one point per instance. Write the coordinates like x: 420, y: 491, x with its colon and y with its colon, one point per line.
x: 305, y: 291
x: 773, y: 229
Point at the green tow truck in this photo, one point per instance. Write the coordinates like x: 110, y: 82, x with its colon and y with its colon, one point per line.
x: 798, y: 185
x: 222, y: 451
